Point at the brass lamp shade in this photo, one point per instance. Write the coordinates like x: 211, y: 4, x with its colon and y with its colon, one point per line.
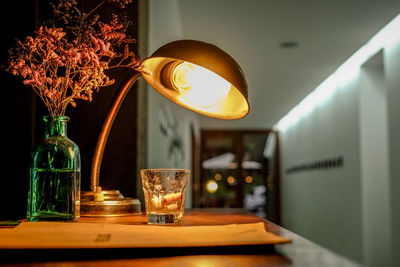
x: 159, y: 68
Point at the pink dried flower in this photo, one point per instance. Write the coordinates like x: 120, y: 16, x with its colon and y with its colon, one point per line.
x: 67, y: 59
x: 34, y: 79
x: 52, y: 94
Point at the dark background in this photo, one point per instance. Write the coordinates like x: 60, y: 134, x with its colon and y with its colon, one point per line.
x: 22, y: 112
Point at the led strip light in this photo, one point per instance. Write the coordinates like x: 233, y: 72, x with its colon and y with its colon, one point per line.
x: 347, y: 71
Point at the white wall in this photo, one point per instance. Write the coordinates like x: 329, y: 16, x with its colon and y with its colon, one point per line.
x: 392, y: 77
x: 353, y: 209
x: 375, y: 164
x: 325, y: 205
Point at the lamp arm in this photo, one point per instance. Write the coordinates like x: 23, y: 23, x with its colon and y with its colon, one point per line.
x: 105, y: 130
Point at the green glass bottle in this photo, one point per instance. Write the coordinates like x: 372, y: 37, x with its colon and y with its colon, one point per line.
x: 54, y: 192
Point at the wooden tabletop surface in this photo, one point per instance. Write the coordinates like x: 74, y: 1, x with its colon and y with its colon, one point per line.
x: 300, y: 252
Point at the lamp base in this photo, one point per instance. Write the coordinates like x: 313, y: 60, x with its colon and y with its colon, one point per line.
x: 108, y: 203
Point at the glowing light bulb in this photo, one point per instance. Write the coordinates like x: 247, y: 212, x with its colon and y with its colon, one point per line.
x: 199, y: 86
x: 211, y: 186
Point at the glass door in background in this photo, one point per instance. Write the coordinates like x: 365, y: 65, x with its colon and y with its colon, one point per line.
x: 239, y: 169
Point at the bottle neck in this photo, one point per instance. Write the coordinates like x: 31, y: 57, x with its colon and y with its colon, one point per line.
x: 55, y: 125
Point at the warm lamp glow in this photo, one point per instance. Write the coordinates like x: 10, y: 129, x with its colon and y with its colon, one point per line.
x: 199, y: 86
x: 249, y: 179
x: 211, y: 186
x: 199, y: 77
x: 231, y: 179
x: 218, y: 177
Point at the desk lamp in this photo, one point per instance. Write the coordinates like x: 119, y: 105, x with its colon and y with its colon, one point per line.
x: 194, y: 74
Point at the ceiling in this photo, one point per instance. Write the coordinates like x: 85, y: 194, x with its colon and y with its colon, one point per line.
x: 327, y: 33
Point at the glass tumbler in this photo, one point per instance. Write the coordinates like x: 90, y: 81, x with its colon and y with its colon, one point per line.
x: 164, y: 194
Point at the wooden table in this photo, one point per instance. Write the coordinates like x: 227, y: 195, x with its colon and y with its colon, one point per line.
x: 300, y: 252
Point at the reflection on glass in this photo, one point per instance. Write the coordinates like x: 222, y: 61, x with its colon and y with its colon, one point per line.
x: 235, y: 170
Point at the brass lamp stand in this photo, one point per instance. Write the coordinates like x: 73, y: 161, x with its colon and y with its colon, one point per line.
x: 196, y: 75
x: 108, y: 203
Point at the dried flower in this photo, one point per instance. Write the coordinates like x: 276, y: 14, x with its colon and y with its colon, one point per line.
x: 66, y: 59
